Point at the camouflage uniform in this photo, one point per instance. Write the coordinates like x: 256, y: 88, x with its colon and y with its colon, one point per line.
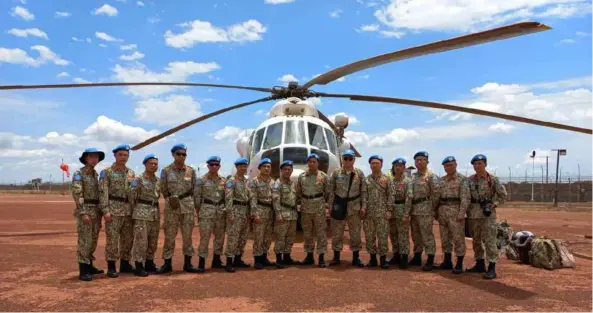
x: 212, y: 214
x: 144, y: 199
x: 454, y: 198
x: 376, y: 225
x: 237, y: 201
x: 285, y: 206
x: 85, y: 192
x: 114, y: 186
x: 262, y: 207
x: 421, y: 190
x: 311, y: 193
x: 399, y: 230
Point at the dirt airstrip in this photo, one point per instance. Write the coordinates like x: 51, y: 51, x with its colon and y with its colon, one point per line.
x: 39, y: 273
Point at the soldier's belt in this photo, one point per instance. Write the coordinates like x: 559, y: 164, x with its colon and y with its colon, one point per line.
x: 402, y: 201
x: 237, y: 202
x: 91, y: 201
x: 315, y: 196
x: 419, y: 200
x: 349, y: 199
x: 268, y: 205
x: 474, y: 200
x: 450, y: 201
x: 208, y: 201
x: 288, y: 206
x: 116, y: 198
x: 185, y: 195
x: 148, y: 202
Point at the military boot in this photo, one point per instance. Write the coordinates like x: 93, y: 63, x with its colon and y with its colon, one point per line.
x: 279, y: 260
x: 259, y: 262
x: 336, y: 260
x: 356, y: 259
x: 383, y: 262
x: 265, y: 261
x: 309, y: 259
x: 149, y: 266
x: 373, y: 262
x: 321, y: 262
x: 139, y: 270
x: 229, y: 265
x: 187, y: 267
x: 480, y: 267
x: 491, y: 273
x: 447, y: 264
x: 111, y: 271
x: 216, y: 262
x: 166, y: 268
x: 403, y: 261
x: 201, y: 265
x: 125, y: 267
x: 417, y: 260
x: 83, y: 272
x: 238, y: 262
x: 459, y: 266
x: 396, y: 259
x: 429, y: 263
x: 287, y: 260
x: 93, y: 270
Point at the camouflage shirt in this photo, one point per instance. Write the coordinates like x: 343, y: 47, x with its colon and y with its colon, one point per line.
x: 488, y: 187
x: 237, y: 190
x: 261, y: 195
x: 86, y: 187
x: 339, y: 181
x: 285, y: 199
x: 310, y: 185
x: 114, y: 185
x: 380, y: 196
x: 210, y: 195
x: 421, y: 190
x: 453, y: 196
x: 180, y: 183
x: 403, y: 203
x: 145, y: 188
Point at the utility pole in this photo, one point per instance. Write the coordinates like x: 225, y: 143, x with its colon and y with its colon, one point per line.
x: 579, y: 183
x: 547, y: 169
x: 510, y: 181
x: 559, y: 152
x: 542, y: 189
x: 532, y: 156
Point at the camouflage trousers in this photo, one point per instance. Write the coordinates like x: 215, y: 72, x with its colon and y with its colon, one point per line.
x: 88, y: 235
x: 119, y: 238
x: 452, y: 235
x: 237, y: 232
x: 146, y: 238
x: 399, y: 233
x: 338, y: 227
x: 209, y: 226
x: 314, y: 226
x: 376, y: 230
x: 484, y: 234
x: 285, y: 236
x: 422, y: 234
x: 173, y: 222
x: 262, y: 233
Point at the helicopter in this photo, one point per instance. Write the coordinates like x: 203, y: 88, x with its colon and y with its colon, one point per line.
x: 295, y: 127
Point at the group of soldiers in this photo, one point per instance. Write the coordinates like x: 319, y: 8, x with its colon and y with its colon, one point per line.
x: 384, y: 207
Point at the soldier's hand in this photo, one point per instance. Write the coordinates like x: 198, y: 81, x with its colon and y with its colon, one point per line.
x: 256, y: 219
x: 298, y: 207
x: 279, y: 218
x: 461, y: 219
x: 327, y: 212
x: 388, y: 215
x: 363, y: 212
x: 405, y: 219
x: 231, y: 219
x: 86, y: 219
x: 107, y: 217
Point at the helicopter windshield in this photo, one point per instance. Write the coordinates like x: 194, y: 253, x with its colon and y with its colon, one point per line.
x: 273, y: 136
x: 295, y: 132
x: 316, y: 138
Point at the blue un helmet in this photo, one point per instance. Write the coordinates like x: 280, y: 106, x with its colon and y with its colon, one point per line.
x: 264, y: 161
x: 399, y: 161
x: 448, y: 159
x: 89, y: 151
x: 149, y: 157
x: 178, y: 146
x: 123, y: 147
x: 286, y: 163
x: 241, y: 161
x: 213, y: 158
x: 479, y: 157
x: 313, y: 155
x: 420, y: 153
x: 348, y: 152
x: 375, y: 157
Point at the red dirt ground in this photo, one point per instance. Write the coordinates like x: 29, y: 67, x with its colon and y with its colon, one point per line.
x: 39, y: 273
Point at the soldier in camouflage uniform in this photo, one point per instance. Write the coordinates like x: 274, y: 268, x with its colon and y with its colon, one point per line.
x: 286, y: 214
x: 262, y: 213
x: 178, y: 182
x: 356, y: 201
x: 212, y: 213
x: 453, y: 200
x: 144, y: 199
x: 312, y: 191
x: 114, y: 185
x: 421, y: 190
x: 380, y: 210
x: 237, y: 201
x: 85, y: 192
x: 399, y: 224
x: 487, y: 193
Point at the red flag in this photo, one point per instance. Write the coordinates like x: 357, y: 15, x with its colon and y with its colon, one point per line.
x: 64, y: 168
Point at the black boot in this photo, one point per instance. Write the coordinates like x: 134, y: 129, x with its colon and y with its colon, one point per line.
x: 321, y: 262
x: 111, y: 272
x: 187, y: 267
x: 383, y: 262
x: 229, y: 265
x: 309, y: 259
x: 139, y: 270
x: 396, y: 259
x: 287, y: 260
x: 149, y: 266
x: 259, y: 262
x: 125, y: 267
x: 83, y: 272
x: 93, y: 270
x: 480, y: 267
x: 447, y: 264
x: 491, y: 274
x: 201, y: 265
x: 356, y: 260
x: 429, y: 263
x: 279, y: 260
x: 265, y: 260
x: 417, y: 260
x: 237, y: 262
x: 403, y: 261
x: 459, y: 266
x: 336, y: 260
x: 216, y: 262
x: 373, y: 262
x: 166, y: 268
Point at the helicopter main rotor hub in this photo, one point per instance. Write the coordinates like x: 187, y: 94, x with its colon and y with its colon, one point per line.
x: 293, y: 90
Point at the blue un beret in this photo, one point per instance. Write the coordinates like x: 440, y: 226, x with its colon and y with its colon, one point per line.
x: 242, y: 161
x: 479, y: 157
x: 313, y: 155
x: 399, y: 161
x: 448, y: 159
x: 375, y: 157
x: 149, y: 157
x: 264, y: 161
x: 178, y: 146
x: 348, y: 153
x: 213, y: 159
x: 286, y: 163
x: 123, y: 147
x: 421, y: 153
x: 91, y: 150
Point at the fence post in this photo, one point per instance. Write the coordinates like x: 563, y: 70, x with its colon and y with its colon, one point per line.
x: 569, y: 191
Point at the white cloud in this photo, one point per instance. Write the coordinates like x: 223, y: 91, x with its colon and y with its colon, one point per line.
x: 200, y: 32
x: 128, y: 47
x: 18, y: 56
x: 106, y: 9
x: 55, y: 139
x: 335, y: 13
x: 140, y: 3
x: 369, y: 28
x: 29, y: 31
x: 62, y: 74
x: 352, y: 120
x: 179, y: 109
x: 278, y: 1
x: 102, y: 45
x: 231, y: 133
x: 501, y: 127
x: 79, y: 80
x: 18, y: 153
x: 106, y: 37
x: 260, y: 112
x: 13, y: 141
x: 62, y: 14
x: 315, y: 101
x: 286, y: 78
x: 107, y: 130
x: 22, y: 13
x: 87, y: 39
x: 131, y: 57
x: 540, y: 156
x: 391, y: 33
x: 583, y: 34
x: 567, y: 41
x: 153, y: 20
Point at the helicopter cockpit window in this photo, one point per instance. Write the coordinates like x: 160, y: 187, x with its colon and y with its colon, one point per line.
x: 295, y: 132
x: 273, y: 136
x: 316, y: 138
x: 331, y: 140
x: 297, y: 154
x: 257, y: 140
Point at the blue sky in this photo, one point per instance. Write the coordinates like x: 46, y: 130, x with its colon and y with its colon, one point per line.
x: 545, y: 76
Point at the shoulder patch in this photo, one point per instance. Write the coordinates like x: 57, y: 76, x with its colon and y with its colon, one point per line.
x: 275, y: 185
x: 77, y: 177
x: 102, y: 175
x: 134, y: 182
x: 252, y: 184
x: 229, y: 184
x: 163, y: 174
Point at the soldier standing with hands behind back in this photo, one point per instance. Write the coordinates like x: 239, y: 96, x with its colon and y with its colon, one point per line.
x: 237, y: 201
x: 262, y: 213
x: 286, y: 214
x: 399, y: 224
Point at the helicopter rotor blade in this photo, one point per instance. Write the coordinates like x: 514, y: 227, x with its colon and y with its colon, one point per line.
x: 333, y: 126
x: 196, y: 120
x: 11, y: 87
x: 442, y: 106
x: 494, y: 34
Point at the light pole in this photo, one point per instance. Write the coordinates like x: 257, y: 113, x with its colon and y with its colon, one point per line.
x: 559, y: 152
x: 510, y: 181
x: 532, y: 156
